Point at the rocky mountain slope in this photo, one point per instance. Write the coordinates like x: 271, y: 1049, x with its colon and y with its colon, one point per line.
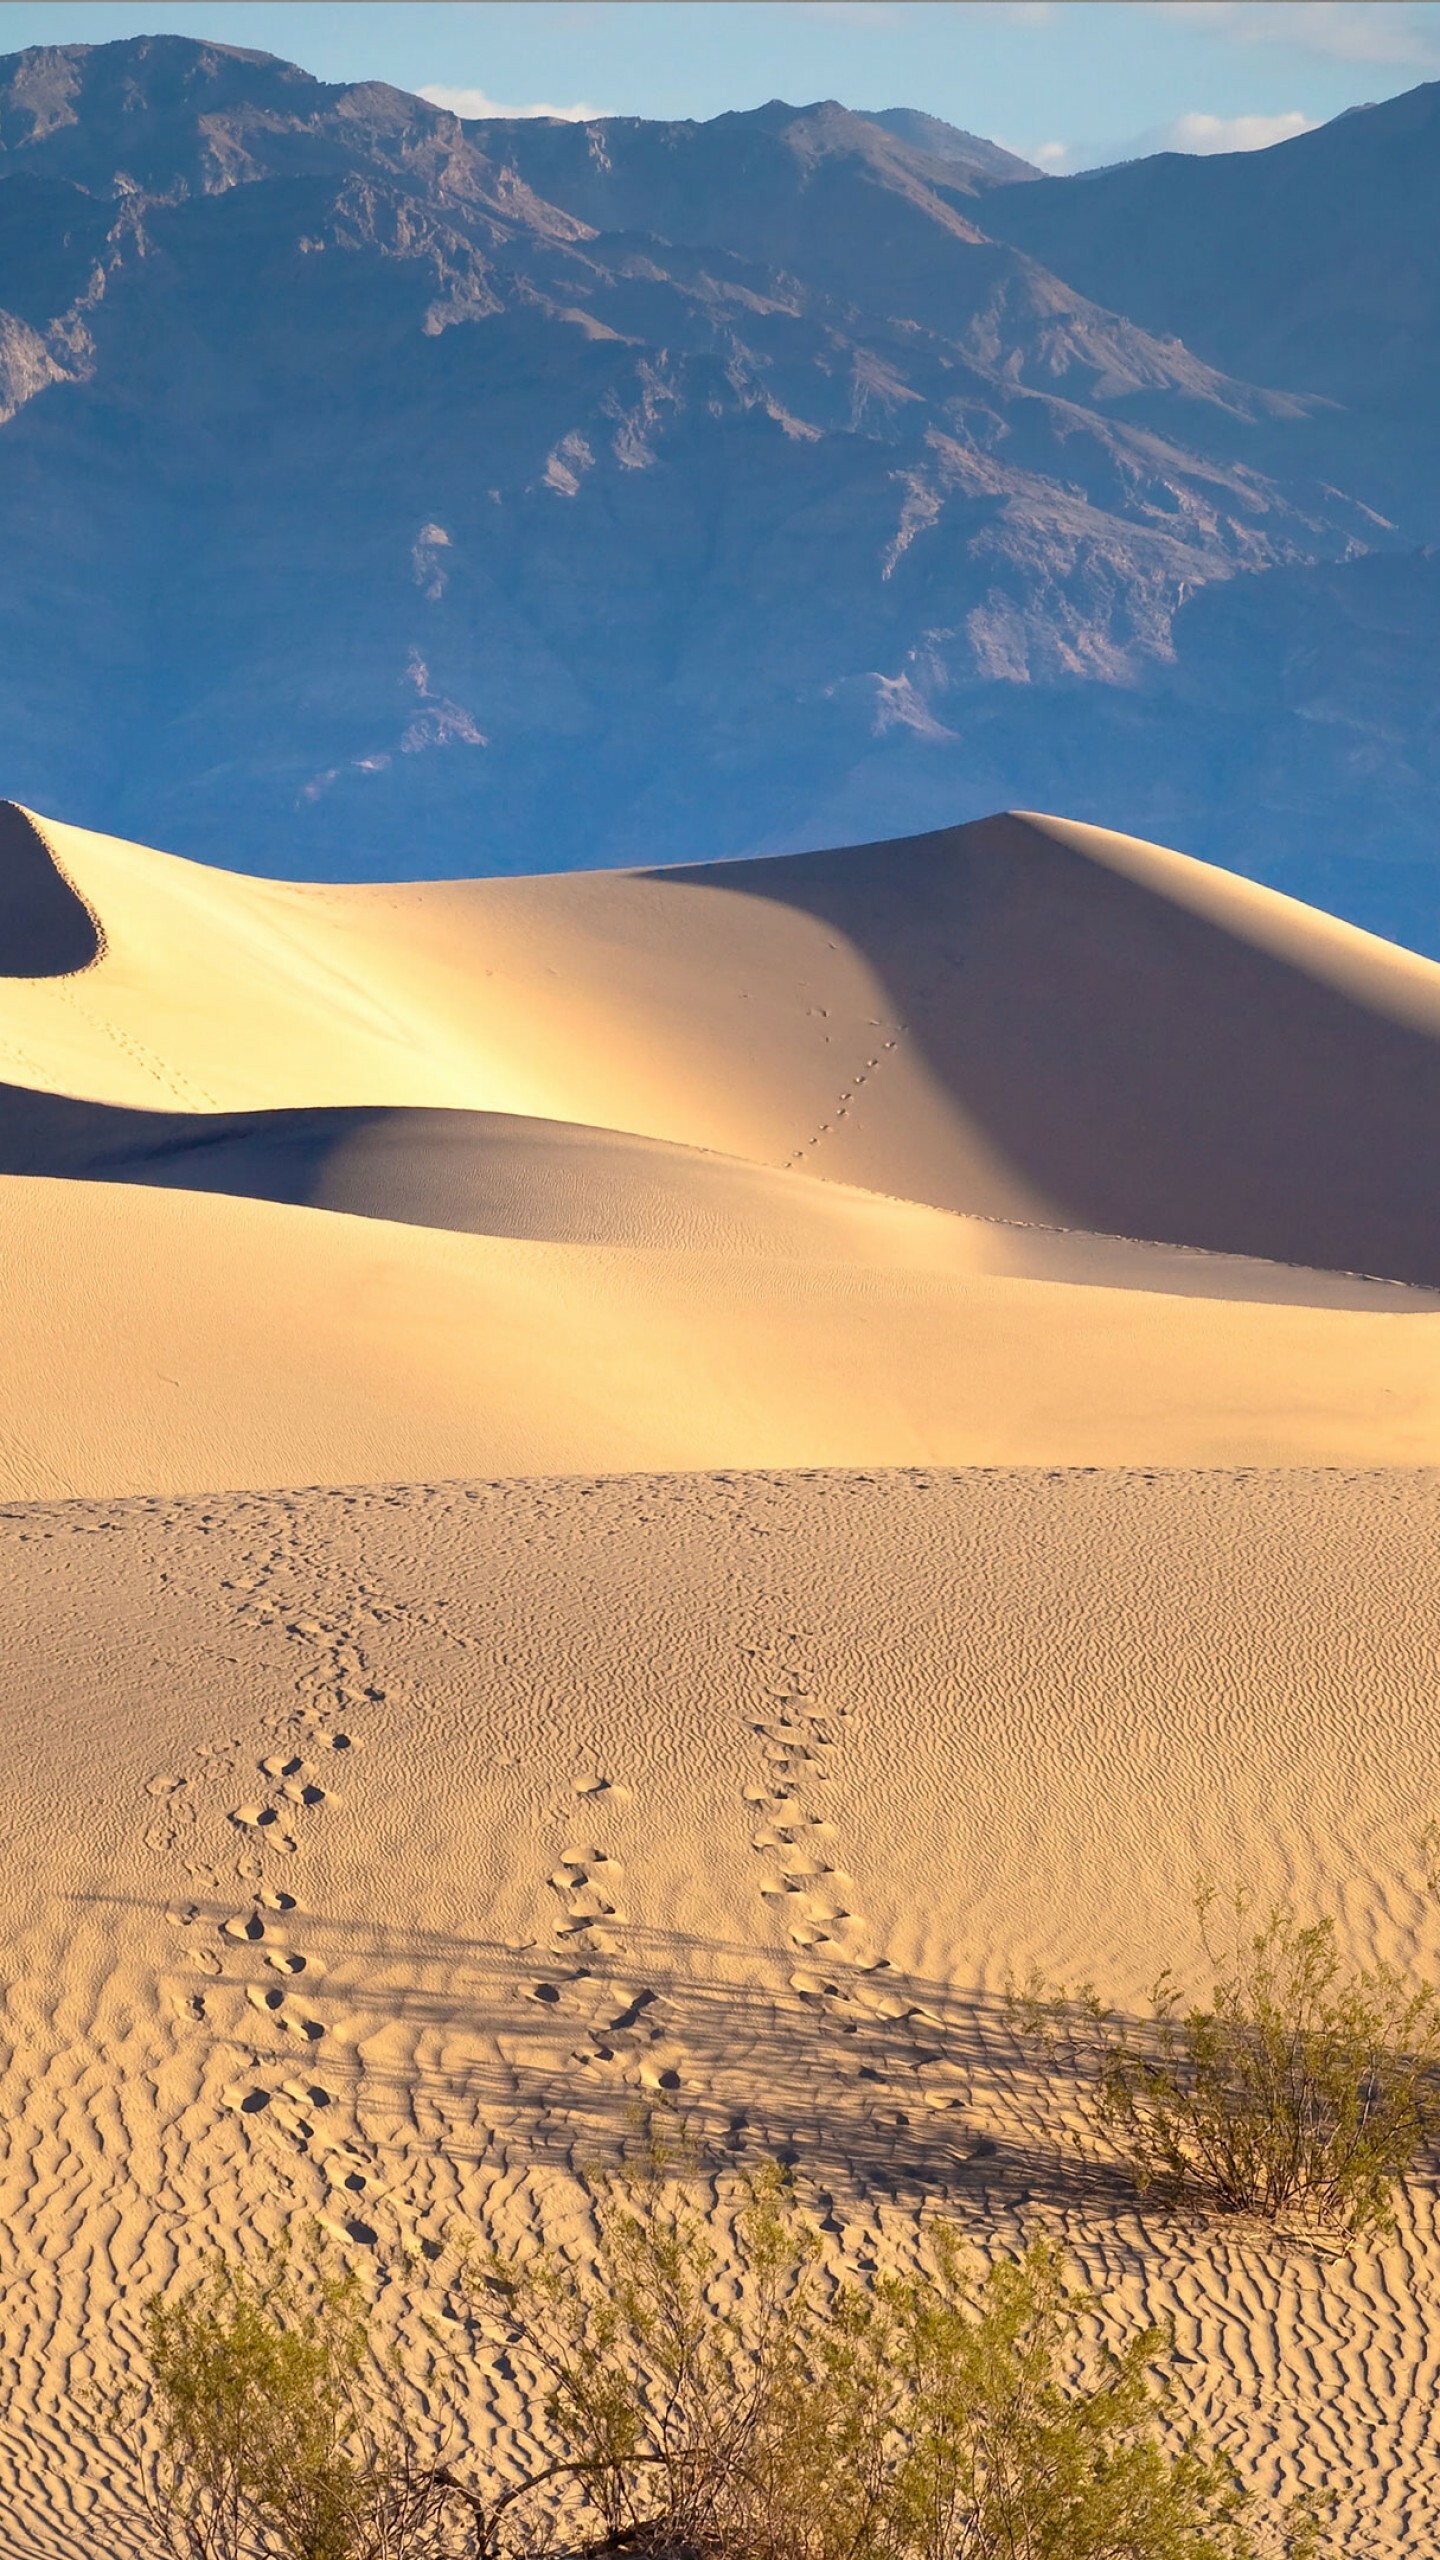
x: 386, y: 494
x: 1311, y: 266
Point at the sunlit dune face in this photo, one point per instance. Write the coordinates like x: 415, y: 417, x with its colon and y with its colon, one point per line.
x: 827, y: 1160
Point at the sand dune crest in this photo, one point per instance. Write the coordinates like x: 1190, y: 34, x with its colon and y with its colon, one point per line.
x: 829, y: 1160
x: 46, y: 931
x: 1022, y: 1018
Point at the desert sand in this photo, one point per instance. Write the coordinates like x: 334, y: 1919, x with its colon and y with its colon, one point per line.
x: 826, y: 1161
x: 640, y: 1490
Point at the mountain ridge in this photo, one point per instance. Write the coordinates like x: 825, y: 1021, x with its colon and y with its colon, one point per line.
x: 807, y: 505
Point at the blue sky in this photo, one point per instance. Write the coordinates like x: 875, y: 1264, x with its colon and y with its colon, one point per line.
x: 1071, y: 83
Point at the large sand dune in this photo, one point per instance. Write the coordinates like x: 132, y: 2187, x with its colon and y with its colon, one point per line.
x: 873, y: 1416
x: 780, y: 1163
x: 1022, y: 1018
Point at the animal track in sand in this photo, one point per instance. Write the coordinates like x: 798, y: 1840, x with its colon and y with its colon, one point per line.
x: 608, y: 1790
x: 862, y: 1075
x: 175, y: 1817
x: 622, y: 2036
x: 295, y: 1788
x: 278, y: 2005
x: 815, y: 1892
x: 616, y: 2033
x: 291, y: 2115
x: 266, y: 1818
x: 900, y: 2057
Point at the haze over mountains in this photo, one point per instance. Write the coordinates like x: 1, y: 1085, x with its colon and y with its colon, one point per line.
x: 383, y: 495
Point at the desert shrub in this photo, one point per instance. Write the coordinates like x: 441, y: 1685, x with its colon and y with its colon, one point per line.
x: 952, y: 2414
x: 258, y: 2437
x: 745, y: 2408
x: 1301, y: 2094
x: 669, y: 2406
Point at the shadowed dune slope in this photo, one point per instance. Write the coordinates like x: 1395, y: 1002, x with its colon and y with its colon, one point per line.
x: 498, y: 1174
x: 784, y: 1164
x: 1021, y: 1018
x: 46, y: 931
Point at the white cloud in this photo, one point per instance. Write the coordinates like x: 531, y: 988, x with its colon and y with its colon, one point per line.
x: 474, y: 102
x: 1405, y: 33
x: 1205, y: 134
x: 1197, y: 134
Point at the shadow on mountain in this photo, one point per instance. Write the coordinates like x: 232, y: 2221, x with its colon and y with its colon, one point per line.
x: 46, y: 931
x: 1146, y: 1070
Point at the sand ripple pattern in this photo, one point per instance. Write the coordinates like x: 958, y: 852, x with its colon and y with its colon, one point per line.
x: 381, y: 1856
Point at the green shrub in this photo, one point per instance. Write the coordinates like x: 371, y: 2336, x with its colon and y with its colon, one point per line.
x: 948, y: 2415
x: 264, y: 2442
x: 751, y: 2408
x: 1301, y: 2094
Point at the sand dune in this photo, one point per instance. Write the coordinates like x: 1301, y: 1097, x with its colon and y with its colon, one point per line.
x: 659, y: 1716
x: 501, y: 1174
x: 1022, y: 1018
x: 154, y: 1342
x: 510, y: 1176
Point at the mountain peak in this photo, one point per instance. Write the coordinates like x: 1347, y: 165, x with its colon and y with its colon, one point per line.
x: 522, y: 493
x: 952, y: 146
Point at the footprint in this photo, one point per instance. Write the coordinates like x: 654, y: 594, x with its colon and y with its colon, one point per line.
x: 308, y: 2092
x: 292, y: 2110
x: 175, y: 1817
x: 587, y: 1882
x: 632, y: 2011
x: 266, y: 1819
x: 277, y: 2005
x: 800, y: 1844
x: 246, y: 2101
x: 607, y: 1789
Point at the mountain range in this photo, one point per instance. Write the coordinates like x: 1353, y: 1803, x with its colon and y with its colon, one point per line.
x: 384, y: 494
